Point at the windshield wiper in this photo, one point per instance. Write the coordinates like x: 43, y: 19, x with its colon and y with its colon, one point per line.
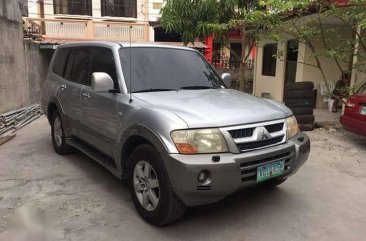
x: 153, y: 90
x: 197, y: 87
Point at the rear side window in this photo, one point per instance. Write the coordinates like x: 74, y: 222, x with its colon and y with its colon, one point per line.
x: 60, y: 61
x: 103, y: 61
x: 78, y: 65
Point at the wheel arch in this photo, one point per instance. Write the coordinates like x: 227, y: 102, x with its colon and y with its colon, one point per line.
x: 136, y: 136
x: 53, y: 105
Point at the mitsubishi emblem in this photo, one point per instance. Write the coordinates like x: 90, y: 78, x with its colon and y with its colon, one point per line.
x: 263, y: 134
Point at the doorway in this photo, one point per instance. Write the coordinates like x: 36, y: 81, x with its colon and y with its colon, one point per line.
x: 291, y: 61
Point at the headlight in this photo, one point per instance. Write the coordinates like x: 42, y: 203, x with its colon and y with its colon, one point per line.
x: 292, y: 127
x: 199, y: 141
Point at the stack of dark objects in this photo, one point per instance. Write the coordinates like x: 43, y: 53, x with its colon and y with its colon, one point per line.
x: 300, y: 97
x: 14, y: 120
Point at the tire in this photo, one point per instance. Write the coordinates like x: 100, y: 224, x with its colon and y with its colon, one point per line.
x: 270, y: 184
x: 305, y: 119
x: 167, y: 207
x: 299, y: 103
x: 305, y: 85
x: 299, y: 94
x: 306, y: 127
x: 58, y: 135
x: 302, y: 110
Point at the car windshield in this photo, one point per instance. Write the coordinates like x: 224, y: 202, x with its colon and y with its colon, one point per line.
x: 166, y: 69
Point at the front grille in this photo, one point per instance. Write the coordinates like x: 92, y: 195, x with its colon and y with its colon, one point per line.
x: 274, y: 127
x: 241, y: 133
x: 258, y: 144
x: 249, y: 169
x: 255, y: 136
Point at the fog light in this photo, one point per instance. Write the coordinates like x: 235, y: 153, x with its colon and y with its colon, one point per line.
x: 204, y: 177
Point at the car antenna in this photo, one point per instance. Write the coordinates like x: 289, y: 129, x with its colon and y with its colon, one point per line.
x: 130, y: 66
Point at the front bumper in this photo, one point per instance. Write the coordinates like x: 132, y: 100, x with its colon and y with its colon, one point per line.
x: 232, y: 172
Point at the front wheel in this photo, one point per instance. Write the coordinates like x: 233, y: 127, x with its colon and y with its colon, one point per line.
x: 150, y: 188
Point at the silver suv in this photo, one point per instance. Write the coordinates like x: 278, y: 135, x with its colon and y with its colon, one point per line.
x: 162, y: 118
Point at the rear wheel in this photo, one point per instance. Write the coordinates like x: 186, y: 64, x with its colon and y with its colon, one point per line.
x: 150, y: 188
x: 58, y: 135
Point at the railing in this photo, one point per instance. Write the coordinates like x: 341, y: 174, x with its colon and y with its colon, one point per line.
x: 86, y: 29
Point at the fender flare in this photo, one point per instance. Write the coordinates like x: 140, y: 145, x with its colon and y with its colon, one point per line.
x: 142, y: 132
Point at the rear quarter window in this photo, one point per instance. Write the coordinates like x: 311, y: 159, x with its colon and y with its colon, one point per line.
x: 60, y: 61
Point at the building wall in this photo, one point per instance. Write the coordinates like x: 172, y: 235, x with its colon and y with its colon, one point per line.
x: 275, y: 85
x: 269, y: 84
x: 13, y: 80
x: 142, y: 11
x: 330, y: 68
x: 22, y: 66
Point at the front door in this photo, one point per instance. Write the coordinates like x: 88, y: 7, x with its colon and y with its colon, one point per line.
x: 100, y: 117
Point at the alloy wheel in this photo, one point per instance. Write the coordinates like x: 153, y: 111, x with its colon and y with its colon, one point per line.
x: 146, y: 185
x: 57, y: 131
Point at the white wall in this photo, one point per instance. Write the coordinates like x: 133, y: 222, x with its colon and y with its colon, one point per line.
x: 275, y: 85
x: 269, y: 84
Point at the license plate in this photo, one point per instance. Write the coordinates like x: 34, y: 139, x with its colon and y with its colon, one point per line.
x: 363, y: 110
x: 270, y: 170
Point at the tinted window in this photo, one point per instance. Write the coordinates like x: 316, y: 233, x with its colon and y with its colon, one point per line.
x: 165, y: 68
x: 80, y: 60
x: 103, y: 61
x: 269, y: 60
x: 70, y: 64
x: 119, y: 8
x: 73, y: 7
x: 60, y: 61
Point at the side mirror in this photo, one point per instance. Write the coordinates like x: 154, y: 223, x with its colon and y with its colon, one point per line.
x: 101, y: 82
x: 226, y: 78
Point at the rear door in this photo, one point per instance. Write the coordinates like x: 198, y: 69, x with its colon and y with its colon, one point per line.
x: 68, y: 93
x: 100, y: 118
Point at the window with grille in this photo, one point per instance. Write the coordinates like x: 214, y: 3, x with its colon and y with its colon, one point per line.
x: 73, y: 7
x: 119, y: 8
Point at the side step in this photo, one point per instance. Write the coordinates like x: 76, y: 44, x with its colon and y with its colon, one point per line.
x: 91, y: 152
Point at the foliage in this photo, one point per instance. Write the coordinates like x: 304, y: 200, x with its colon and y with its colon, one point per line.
x: 307, y: 21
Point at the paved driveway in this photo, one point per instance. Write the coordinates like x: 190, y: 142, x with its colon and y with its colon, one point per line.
x: 82, y: 201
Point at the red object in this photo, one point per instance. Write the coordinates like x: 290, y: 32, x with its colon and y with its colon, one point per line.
x: 340, y: 2
x: 354, y: 117
x: 209, y: 50
x: 253, y: 51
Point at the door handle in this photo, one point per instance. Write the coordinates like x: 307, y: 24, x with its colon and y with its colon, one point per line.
x: 86, y: 95
x: 63, y: 87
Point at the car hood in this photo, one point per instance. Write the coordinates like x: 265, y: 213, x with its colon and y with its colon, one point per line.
x: 215, y: 107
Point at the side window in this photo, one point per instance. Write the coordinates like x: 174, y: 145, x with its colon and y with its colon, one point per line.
x: 103, y: 61
x: 70, y: 64
x: 78, y: 65
x: 81, y: 70
x: 60, y: 61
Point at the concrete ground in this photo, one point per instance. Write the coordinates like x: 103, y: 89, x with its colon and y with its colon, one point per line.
x: 323, y: 115
x: 80, y: 200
